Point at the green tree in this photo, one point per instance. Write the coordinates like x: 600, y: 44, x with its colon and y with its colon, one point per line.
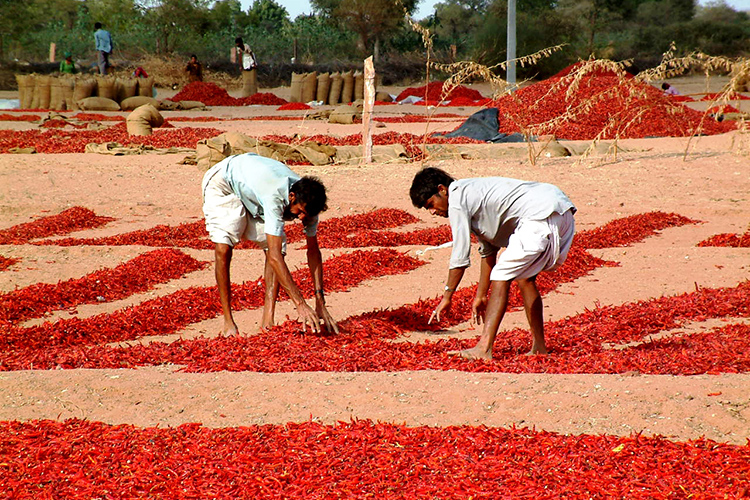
x: 268, y: 15
x: 173, y: 21
x: 371, y: 20
x: 455, y: 23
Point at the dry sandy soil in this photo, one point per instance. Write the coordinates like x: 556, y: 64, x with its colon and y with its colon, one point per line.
x: 711, y: 184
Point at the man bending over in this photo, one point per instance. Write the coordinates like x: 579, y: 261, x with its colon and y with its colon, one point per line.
x: 533, y: 221
x: 248, y: 197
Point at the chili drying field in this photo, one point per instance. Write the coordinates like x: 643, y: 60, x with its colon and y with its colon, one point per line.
x: 116, y: 384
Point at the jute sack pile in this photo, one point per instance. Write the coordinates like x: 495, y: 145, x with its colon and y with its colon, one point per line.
x: 98, y: 104
x: 41, y: 92
x: 310, y: 87
x: 25, y: 90
x: 137, y: 101
x: 68, y: 86
x: 334, y: 92
x: 127, y: 87
x: 346, y: 114
x: 85, y: 87
x: 143, y: 120
x: 347, y: 91
x: 105, y: 87
x: 296, y: 88
x: 146, y: 86
x: 324, y: 87
x: 249, y: 83
x: 359, y: 85
x: 56, y: 96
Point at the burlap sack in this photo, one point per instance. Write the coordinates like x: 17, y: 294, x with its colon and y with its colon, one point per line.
x: 309, y: 87
x: 127, y: 87
x: 167, y: 105
x: 56, y: 96
x: 186, y: 105
x: 84, y: 88
x: 105, y: 87
x: 42, y: 91
x: 344, y: 114
x: 359, y: 85
x: 143, y: 120
x: 296, y: 87
x: 347, y: 90
x: 324, y: 87
x: 334, y: 93
x: 68, y: 85
x: 249, y: 83
x: 209, y: 152
x: 137, y: 101
x: 383, y: 97
x: 98, y: 104
x: 25, y: 90
x: 146, y: 86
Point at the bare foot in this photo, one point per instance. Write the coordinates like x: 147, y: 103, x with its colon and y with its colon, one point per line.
x: 473, y: 353
x: 230, y: 330
x: 537, y: 350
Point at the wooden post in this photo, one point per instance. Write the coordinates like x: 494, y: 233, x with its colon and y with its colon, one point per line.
x: 52, y: 48
x: 367, y: 109
x: 233, y: 55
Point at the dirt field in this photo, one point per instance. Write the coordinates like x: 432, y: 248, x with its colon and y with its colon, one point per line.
x: 710, y: 185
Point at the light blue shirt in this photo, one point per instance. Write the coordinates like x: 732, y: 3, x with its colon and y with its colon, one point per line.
x: 491, y: 207
x: 103, y: 40
x: 262, y: 184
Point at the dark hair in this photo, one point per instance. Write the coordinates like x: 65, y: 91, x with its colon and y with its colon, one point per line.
x: 193, y: 56
x: 311, y: 193
x: 97, y: 26
x: 665, y: 85
x: 238, y: 41
x: 425, y: 184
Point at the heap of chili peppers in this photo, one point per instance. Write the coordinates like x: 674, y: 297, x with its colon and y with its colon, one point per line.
x: 433, y: 91
x: 294, y: 106
x: 67, y: 221
x: 360, y: 459
x: 74, y: 141
x: 211, y: 94
x: 727, y: 240
x: 137, y: 275
x: 6, y: 262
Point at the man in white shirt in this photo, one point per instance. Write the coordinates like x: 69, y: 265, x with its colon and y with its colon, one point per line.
x: 533, y: 221
x: 249, y: 197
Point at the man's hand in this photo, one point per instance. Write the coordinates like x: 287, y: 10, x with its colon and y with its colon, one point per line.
x: 478, y: 308
x: 307, y: 315
x: 325, y: 316
x: 444, y: 305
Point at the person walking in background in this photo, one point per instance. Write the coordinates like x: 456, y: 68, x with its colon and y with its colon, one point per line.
x: 104, y: 47
x: 67, y: 66
x: 194, y: 69
x: 248, y: 63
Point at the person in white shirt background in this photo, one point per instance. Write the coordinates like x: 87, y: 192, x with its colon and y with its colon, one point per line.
x: 533, y: 221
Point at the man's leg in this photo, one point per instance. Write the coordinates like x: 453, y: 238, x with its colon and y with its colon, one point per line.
x: 532, y: 304
x: 496, y: 307
x: 223, y: 255
x: 272, y: 293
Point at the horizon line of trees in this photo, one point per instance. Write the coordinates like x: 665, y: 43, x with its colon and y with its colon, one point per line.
x: 346, y: 31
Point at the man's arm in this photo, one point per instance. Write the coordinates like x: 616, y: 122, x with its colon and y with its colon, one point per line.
x: 479, y: 306
x: 454, y: 279
x: 277, y: 262
x: 315, y: 263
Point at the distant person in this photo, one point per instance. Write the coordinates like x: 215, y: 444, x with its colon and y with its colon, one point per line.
x: 140, y: 73
x: 248, y: 63
x: 669, y: 89
x: 194, y: 69
x: 104, y: 47
x: 67, y: 66
x: 533, y: 221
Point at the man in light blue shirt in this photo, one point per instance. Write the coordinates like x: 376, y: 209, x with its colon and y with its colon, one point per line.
x: 532, y: 221
x: 104, y: 47
x: 249, y: 197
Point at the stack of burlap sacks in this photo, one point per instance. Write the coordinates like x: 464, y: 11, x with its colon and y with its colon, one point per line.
x: 331, y: 88
x: 100, y: 93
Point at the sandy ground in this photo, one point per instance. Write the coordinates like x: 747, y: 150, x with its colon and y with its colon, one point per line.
x: 711, y: 184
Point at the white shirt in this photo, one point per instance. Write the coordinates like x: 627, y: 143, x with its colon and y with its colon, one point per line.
x: 491, y: 207
x: 262, y: 184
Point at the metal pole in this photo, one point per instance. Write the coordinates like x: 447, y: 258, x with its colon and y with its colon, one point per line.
x: 511, y: 61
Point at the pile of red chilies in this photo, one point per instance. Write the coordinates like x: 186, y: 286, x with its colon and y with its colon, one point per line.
x: 361, y: 459
x: 727, y: 240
